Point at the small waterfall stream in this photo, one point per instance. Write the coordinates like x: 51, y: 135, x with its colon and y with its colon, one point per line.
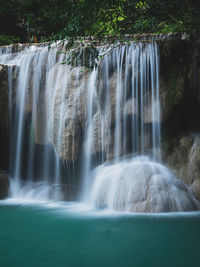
x: 110, y: 116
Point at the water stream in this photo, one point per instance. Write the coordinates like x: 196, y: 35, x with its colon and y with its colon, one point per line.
x: 63, y: 118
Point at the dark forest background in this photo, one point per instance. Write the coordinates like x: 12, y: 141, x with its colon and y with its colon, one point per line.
x: 39, y: 20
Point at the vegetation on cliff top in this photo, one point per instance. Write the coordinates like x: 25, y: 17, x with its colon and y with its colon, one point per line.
x: 37, y: 20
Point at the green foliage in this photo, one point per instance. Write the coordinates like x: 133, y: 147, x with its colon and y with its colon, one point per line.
x: 77, y: 54
x: 6, y: 40
x: 59, y: 19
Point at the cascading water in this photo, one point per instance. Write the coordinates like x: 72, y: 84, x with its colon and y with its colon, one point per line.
x: 111, y: 114
x: 40, y: 75
x: 140, y: 185
x: 130, y: 120
x: 128, y: 83
x: 134, y: 100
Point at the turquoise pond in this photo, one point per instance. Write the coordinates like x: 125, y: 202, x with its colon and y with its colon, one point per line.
x: 34, y: 235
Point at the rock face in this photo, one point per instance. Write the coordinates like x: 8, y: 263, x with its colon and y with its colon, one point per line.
x: 4, y: 185
x: 179, y: 85
x: 3, y: 114
x: 180, y: 102
x: 184, y: 160
x: 194, y: 167
x: 70, y: 108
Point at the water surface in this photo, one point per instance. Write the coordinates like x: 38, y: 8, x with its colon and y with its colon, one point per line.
x: 67, y: 235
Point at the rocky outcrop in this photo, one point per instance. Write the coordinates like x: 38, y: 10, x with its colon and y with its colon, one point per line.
x: 3, y: 113
x: 179, y: 85
x: 184, y: 160
x: 180, y: 106
x: 3, y: 95
x: 70, y: 116
x: 194, y: 167
x: 70, y: 111
x: 4, y: 185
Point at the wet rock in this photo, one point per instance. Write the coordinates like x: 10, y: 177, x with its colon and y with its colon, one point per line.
x: 196, y: 188
x: 69, y: 115
x: 4, y: 185
x: 194, y: 167
x: 70, y: 191
x: 3, y: 113
x: 139, y: 185
x: 184, y: 160
x: 3, y: 94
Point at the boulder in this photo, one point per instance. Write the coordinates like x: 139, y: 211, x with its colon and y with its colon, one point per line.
x: 140, y: 185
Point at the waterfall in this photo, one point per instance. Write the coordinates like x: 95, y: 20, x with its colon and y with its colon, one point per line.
x: 135, y: 100
x: 129, y: 111
x: 89, y: 133
x: 32, y: 95
x: 129, y: 83
x: 64, y: 121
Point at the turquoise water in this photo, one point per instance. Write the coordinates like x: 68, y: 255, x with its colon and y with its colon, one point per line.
x: 41, y: 235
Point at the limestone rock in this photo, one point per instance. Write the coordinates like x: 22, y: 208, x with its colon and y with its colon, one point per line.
x: 184, y: 160
x: 67, y: 139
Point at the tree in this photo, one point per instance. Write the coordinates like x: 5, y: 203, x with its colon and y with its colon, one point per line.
x: 58, y: 19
